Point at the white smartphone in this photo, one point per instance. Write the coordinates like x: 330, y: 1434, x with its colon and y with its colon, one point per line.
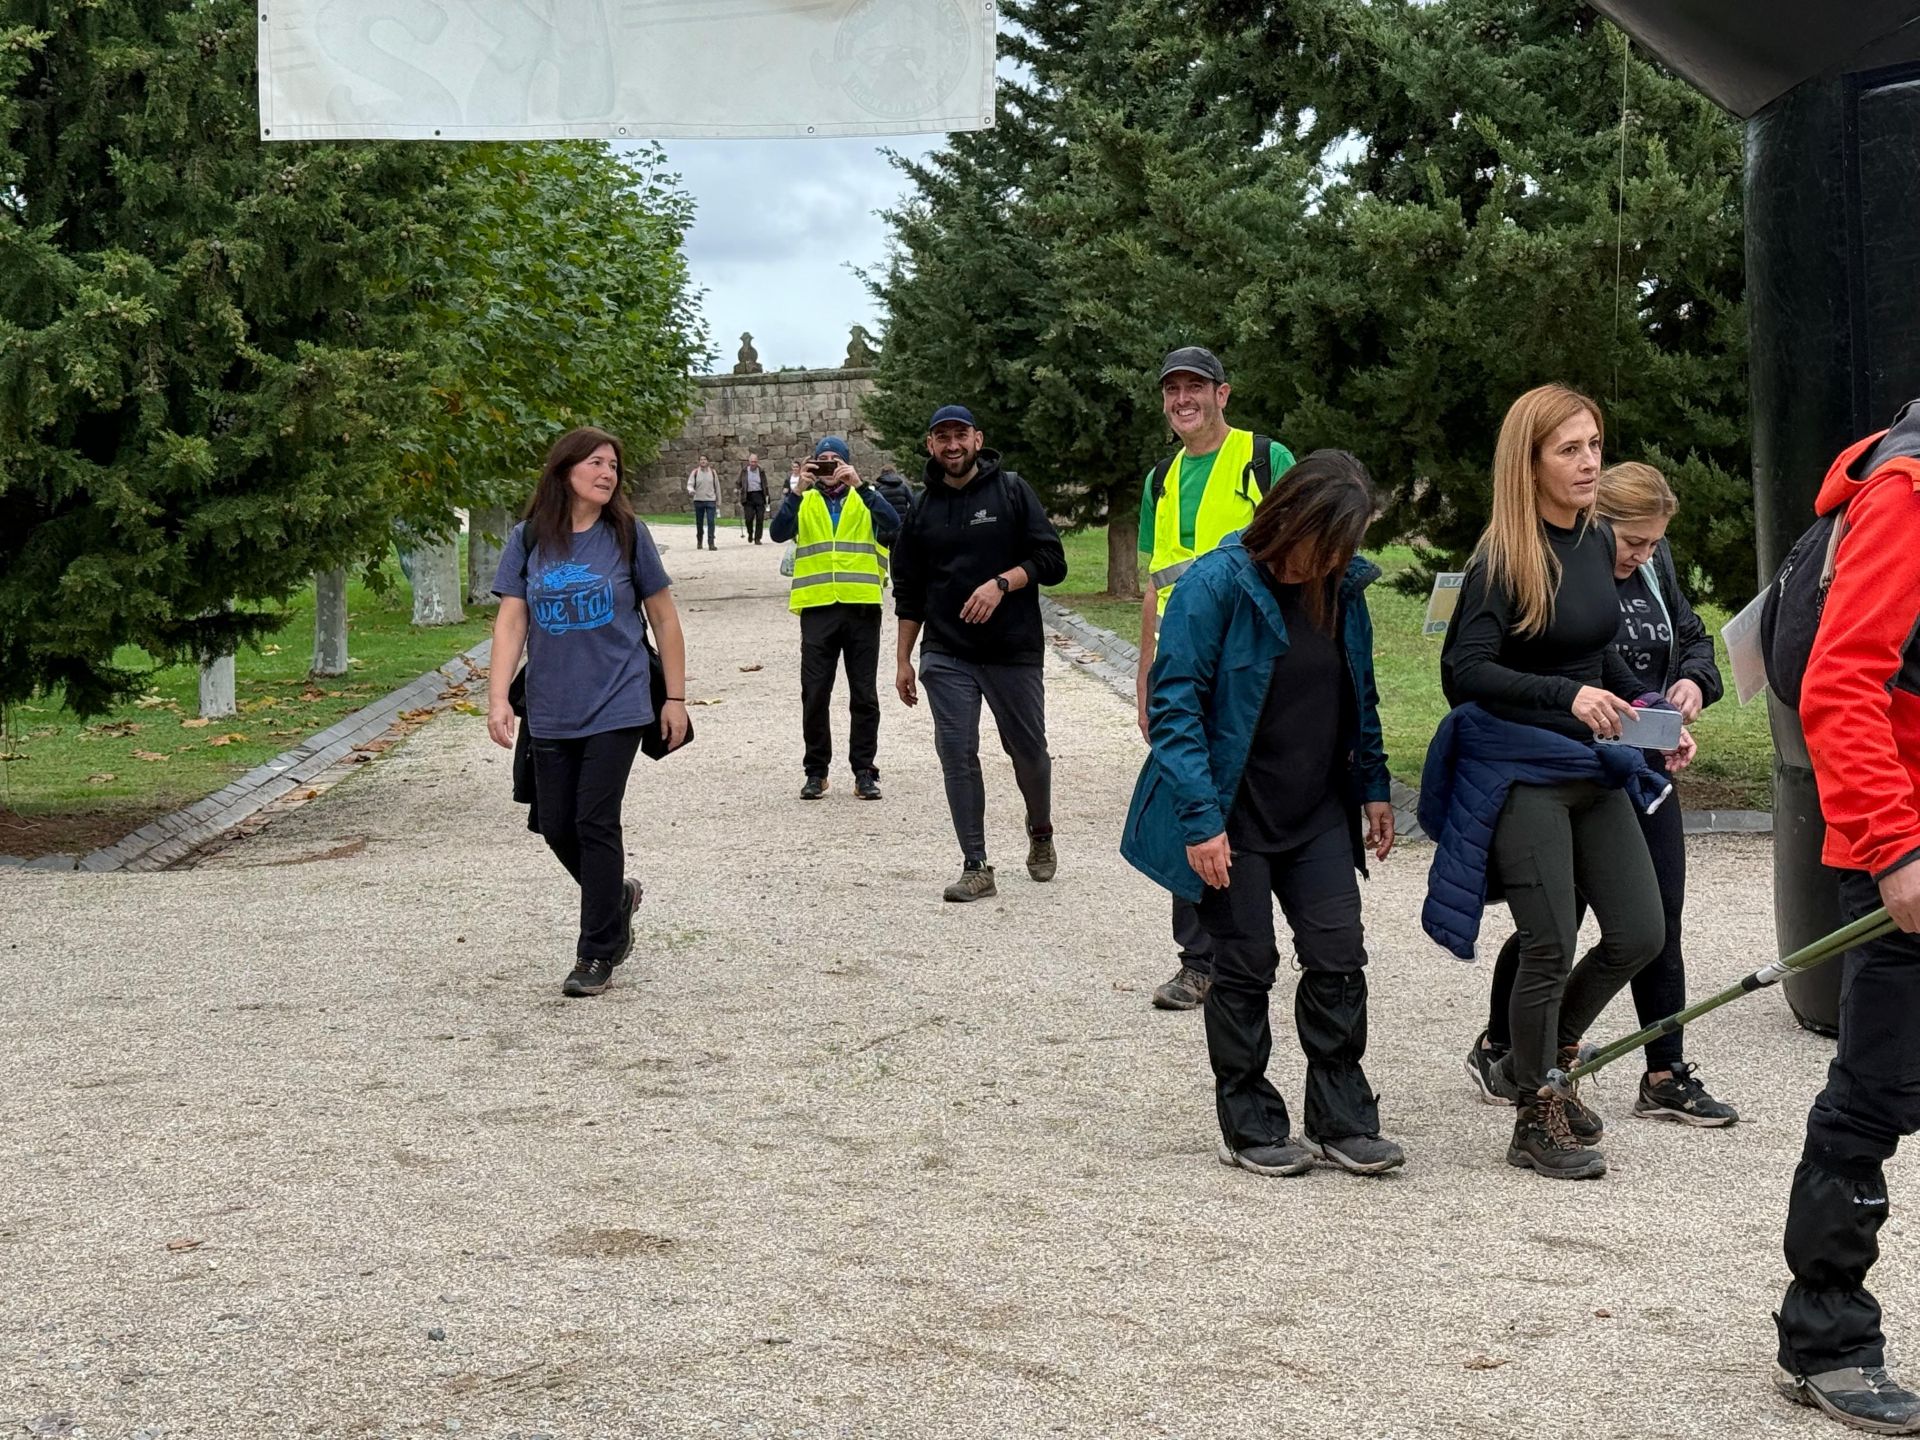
x: 1649, y: 730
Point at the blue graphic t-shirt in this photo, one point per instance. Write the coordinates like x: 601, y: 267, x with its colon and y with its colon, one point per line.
x: 586, y: 666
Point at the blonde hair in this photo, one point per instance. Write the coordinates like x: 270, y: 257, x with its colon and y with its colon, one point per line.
x: 1514, y: 545
x: 1632, y: 491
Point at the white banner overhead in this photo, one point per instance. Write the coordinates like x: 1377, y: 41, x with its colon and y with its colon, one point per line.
x: 622, y: 69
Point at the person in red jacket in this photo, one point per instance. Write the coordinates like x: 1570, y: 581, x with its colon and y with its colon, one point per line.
x: 1860, y: 708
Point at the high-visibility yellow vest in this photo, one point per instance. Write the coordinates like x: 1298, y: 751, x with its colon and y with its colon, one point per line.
x: 1224, y: 508
x: 834, y: 564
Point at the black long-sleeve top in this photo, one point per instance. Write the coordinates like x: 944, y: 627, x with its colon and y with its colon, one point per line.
x: 1533, y: 679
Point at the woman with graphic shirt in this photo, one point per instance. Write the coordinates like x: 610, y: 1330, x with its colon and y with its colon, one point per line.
x: 574, y: 579
x: 1670, y: 653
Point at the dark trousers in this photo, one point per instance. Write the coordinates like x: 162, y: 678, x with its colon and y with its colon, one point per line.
x: 1318, y: 890
x: 703, y: 514
x: 1190, y: 937
x: 829, y: 635
x: 1829, y: 1320
x: 753, y: 510
x: 581, y: 784
x: 1554, y: 844
x: 1018, y: 698
x: 1660, y: 988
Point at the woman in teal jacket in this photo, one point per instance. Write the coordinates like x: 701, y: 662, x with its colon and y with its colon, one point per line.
x: 1265, y: 731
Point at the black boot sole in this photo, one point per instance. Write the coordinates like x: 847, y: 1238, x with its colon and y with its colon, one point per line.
x: 1521, y: 1160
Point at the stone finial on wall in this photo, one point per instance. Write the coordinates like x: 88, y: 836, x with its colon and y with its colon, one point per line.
x: 860, y: 352
x: 749, y: 362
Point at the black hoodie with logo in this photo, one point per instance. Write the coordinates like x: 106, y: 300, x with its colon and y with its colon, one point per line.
x: 954, y: 541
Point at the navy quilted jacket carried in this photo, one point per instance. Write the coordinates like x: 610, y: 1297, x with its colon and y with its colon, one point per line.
x: 1475, y: 758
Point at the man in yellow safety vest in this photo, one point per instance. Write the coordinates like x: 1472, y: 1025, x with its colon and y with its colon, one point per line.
x: 1191, y: 502
x: 838, y: 525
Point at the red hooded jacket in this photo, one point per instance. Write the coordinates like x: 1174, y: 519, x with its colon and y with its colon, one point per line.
x: 1860, y: 700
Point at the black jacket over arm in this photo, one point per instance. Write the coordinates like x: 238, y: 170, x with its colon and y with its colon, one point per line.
x: 1691, y: 656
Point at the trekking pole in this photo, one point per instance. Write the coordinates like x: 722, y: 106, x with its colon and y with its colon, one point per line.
x: 1593, y: 1058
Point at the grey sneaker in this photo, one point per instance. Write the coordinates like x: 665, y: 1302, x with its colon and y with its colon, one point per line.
x: 1187, y: 990
x: 1681, y: 1097
x: 1359, y: 1154
x: 1042, y: 863
x: 1286, y: 1158
x: 975, y: 883
x: 1866, y: 1398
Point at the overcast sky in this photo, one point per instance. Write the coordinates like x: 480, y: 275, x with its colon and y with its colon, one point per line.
x: 780, y: 222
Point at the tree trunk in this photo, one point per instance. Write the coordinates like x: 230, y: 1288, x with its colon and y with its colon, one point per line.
x: 436, y: 577
x: 483, y: 552
x: 1123, y: 539
x: 216, y: 687
x: 330, y: 622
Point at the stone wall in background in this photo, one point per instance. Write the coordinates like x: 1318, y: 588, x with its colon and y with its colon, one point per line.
x: 777, y: 415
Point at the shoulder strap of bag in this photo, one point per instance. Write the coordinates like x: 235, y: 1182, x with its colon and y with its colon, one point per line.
x: 1259, y: 470
x: 1160, y: 473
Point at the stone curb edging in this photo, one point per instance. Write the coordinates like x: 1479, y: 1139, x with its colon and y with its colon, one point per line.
x: 1115, y: 662
x: 173, y: 837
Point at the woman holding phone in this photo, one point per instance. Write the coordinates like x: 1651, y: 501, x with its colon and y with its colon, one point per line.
x: 575, y: 578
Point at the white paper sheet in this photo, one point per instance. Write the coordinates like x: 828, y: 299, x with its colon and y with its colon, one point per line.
x: 622, y: 69
x: 1742, y: 634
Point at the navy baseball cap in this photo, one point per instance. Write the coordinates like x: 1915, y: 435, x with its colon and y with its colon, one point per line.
x: 1196, y: 360
x: 948, y: 414
x: 833, y: 445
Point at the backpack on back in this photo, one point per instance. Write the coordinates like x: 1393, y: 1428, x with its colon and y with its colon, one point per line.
x: 1796, y: 598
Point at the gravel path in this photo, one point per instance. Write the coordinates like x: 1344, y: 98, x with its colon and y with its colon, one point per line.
x: 304, y: 1141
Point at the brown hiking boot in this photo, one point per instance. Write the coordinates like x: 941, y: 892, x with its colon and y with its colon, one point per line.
x: 1544, y: 1143
x: 1187, y: 990
x: 1042, y: 863
x: 975, y: 883
x: 1582, y: 1119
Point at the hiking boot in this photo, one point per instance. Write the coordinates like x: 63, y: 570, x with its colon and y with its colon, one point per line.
x: 588, y: 977
x: 1480, y: 1062
x: 1286, y: 1158
x: 1865, y: 1397
x: 867, y: 785
x: 1543, y: 1142
x: 1582, y: 1119
x: 631, y: 900
x: 975, y: 883
x: 1042, y: 863
x: 1586, y: 1124
x: 1683, y: 1098
x: 1187, y: 990
x: 815, y: 787
x: 1359, y: 1154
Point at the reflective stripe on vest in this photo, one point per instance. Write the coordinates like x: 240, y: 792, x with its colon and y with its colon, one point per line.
x: 1222, y: 511
x: 834, y: 564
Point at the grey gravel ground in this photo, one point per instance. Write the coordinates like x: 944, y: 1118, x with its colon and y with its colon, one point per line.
x: 833, y: 1158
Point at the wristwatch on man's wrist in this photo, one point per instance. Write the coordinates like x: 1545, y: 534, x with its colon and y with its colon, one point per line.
x: 1001, y: 581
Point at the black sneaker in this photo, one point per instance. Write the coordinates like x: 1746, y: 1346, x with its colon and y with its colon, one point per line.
x: 1683, y: 1098
x: 1480, y: 1062
x: 632, y: 903
x: 1286, y: 1158
x: 1544, y: 1143
x: 1867, y: 1398
x: 1187, y: 990
x: 588, y: 977
x: 867, y: 785
x: 1359, y: 1154
x: 1042, y: 863
x: 815, y: 787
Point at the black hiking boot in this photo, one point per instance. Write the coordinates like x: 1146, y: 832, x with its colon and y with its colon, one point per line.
x: 631, y: 900
x: 1683, y: 1098
x: 815, y: 787
x: 1187, y: 990
x: 588, y: 977
x: 1586, y: 1124
x: 1865, y: 1397
x: 1286, y: 1158
x: 1544, y: 1143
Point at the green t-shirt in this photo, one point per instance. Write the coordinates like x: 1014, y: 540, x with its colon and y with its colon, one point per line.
x: 1194, y: 470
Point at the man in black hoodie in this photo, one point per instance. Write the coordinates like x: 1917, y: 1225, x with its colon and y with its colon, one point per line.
x: 966, y: 568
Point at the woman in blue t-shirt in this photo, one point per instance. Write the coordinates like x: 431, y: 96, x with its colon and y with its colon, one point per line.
x: 574, y: 578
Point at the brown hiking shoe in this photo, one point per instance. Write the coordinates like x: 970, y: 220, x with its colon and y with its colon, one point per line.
x: 1582, y: 1119
x: 975, y: 883
x: 1544, y: 1143
x: 1042, y: 863
x: 1187, y: 990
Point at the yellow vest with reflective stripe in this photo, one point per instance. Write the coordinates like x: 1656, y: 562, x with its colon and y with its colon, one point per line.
x: 1222, y: 511
x: 834, y: 564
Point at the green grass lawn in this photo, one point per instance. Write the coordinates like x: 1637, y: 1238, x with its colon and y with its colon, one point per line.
x: 1736, y: 749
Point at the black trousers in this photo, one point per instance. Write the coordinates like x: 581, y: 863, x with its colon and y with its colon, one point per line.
x: 1829, y: 1319
x: 829, y: 636
x: 1660, y: 989
x: 1190, y: 937
x: 753, y: 509
x: 581, y: 784
x: 1320, y: 894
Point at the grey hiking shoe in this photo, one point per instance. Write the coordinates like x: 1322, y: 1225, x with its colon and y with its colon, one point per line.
x: 1187, y: 990
x: 1286, y: 1158
x: 1042, y: 863
x: 975, y: 883
x: 1866, y: 1398
x: 1544, y: 1143
x: 1359, y: 1154
x: 1683, y: 1098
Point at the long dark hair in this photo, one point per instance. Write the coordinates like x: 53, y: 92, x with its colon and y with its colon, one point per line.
x: 549, y: 514
x: 1315, y: 515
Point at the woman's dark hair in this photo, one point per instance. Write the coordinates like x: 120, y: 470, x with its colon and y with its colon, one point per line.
x: 549, y: 514
x: 1314, y: 516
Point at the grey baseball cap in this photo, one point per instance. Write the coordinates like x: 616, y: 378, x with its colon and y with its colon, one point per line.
x: 1196, y: 359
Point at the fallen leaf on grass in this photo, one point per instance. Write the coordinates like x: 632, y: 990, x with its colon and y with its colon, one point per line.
x: 195, y: 724
x: 1485, y: 1362
x: 283, y: 734
x: 185, y: 1242
x: 265, y: 702
x: 149, y: 755
x: 227, y: 739
x: 269, y: 649
x: 102, y: 778
x: 313, y: 692
x: 749, y: 669
x: 113, y: 730
x: 154, y: 702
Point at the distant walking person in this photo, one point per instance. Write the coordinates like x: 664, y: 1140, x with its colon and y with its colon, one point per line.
x: 838, y: 526
x: 966, y: 572
x: 584, y: 569
x: 752, y: 494
x: 704, y: 486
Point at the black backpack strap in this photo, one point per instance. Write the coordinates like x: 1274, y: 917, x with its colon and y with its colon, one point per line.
x: 1159, y: 484
x: 1259, y: 470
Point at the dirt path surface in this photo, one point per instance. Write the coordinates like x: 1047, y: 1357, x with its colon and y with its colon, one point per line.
x: 305, y: 1141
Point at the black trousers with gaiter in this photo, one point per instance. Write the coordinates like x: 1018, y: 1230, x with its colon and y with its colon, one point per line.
x: 1829, y: 1320
x: 1319, y: 892
x: 831, y: 635
x: 581, y: 784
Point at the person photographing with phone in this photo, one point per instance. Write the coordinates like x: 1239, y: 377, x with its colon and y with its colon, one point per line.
x: 838, y: 526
